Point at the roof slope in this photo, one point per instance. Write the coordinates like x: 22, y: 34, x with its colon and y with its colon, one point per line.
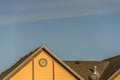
x: 84, y: 67
x: 113, y: 67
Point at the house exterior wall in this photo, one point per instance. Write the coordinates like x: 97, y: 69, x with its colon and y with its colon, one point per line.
x: 43, y: 73
x: 24, y: 74
x: 51, y: 71
x: 61, y: 73
x: 117, y: 78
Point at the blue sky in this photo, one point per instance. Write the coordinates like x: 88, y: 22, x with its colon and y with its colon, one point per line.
x: 72, y: 29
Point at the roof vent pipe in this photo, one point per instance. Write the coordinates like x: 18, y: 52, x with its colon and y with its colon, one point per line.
x: 95, y: 69
x: 93, y: 76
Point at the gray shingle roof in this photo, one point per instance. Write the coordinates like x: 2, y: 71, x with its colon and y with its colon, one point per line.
x: 113, y: 66
x: 83, y: 68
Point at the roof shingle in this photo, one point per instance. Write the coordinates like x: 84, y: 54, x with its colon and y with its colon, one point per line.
x: 113, y: 66
x: 83, y: 68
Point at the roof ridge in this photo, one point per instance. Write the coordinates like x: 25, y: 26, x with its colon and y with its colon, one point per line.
x: 111, y: 58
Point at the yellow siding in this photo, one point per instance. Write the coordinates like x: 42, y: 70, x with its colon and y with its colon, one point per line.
x: 117, y: 78
x: 24, y: 74
x: 52, y: 71
x: 43, y: 73
x: 61, y: 73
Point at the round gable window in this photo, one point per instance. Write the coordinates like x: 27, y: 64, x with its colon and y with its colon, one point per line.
x: 43, y: 62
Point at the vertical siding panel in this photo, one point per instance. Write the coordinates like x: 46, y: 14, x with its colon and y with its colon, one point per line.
x: 61, y: 73
x: 33, y: 69
x: 53, y: 70
x: 24, y: 74
x: 43, y: 73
